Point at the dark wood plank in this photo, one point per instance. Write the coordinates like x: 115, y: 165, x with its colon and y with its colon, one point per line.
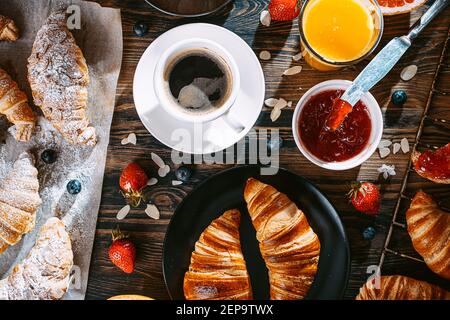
x: 282, y: 40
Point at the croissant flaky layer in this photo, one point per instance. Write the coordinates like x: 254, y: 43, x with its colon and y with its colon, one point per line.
x: 44, y: 273
x: 401, y: 288
x: 429, y: 228
x: 288, y: 245
x: 19, y: 200
x: 217, y: 270
x: 14, y: 105
x: 59, y: 80
x: 8, y: 29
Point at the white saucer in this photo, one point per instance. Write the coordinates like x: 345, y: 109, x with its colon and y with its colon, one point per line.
x: 208, y: 137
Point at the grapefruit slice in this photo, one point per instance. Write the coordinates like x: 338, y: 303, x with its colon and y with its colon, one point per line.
x: 391, y: 7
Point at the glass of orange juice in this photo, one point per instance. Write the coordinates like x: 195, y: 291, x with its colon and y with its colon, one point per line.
x: 339, y: 33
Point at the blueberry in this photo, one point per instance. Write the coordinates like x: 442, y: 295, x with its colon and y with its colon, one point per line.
x: 74, y: 187
x: 183, y: 173
x: 399, y: 97
x: 48, y: 156
x: 275, y: 144
x: 140, y: 28
x: 369, y: 233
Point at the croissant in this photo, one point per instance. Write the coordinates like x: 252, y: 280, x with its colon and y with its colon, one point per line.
x: 19, y: 200
x: 14, y: 105
x: 429, y: 228
x: 288, y: 245
x: 433, y: 165
x: 402, y: 288
x: 59, y: 80
x: 8, y: 29
x: 44, y: 274
x: 217, y: 270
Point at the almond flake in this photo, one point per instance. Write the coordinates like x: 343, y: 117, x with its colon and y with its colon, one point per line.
x: 404, y: 144
x: 297, y: 57
x: 384, y: 143
x: 265, y: 18
x: 152, y: 211
x: 384, y: 152
x: 163, y: 171
x: 409, y: 72
x: 387, y: 171
x: 292, y: 71
x: 157, y: 159
x: 152, y: 181
x: 123, y: 212
x: 130, y: 139
x: 289, y: 104
x: 265, y: 55
x: 275, y: 114
x: 271, y: 102
x: 396, y: 148
x: 281, y: 104
x: 176, y: 182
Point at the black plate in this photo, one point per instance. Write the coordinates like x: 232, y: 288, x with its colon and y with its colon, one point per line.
x: 225, y: 191
x: 188, y: 8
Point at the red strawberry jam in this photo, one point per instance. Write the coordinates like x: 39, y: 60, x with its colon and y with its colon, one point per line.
x: 342, y: 144
x: 434, y: 164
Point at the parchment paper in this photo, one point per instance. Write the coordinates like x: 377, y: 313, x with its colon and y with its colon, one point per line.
x: 100, y: 39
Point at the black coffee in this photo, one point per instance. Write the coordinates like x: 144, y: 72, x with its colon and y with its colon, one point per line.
x: 198, y: 80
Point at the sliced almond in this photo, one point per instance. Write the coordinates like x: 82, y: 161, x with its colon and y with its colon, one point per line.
x: 163, y: 171
x: 281, y: 104
x: 384, y: 143
x: 176, y: 182
x: 152, y: 181
x: 157, y: 159
x: 130, y: 139
x: 275, y: 114
x: 384, y: 152
x: 289, y: 104
x: 408, y: 72
x: 123, y: 212
x: 293, y: 70
x: 152, y: 211
x: 265, y: 18
x: 271, y: 102
x: 265, y: 55
x: 396, y: 148
x: 297, y: 57
x: 404, y: 144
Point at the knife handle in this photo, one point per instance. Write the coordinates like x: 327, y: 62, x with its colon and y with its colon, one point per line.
x: 429, y: 15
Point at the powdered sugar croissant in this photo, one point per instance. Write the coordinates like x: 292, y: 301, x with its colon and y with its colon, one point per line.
x: 429, y: 228
x: 19, y: 200
x: 59, y: 80
x: 44, y: 274
x: 14, y: 105
x: 8, y: 29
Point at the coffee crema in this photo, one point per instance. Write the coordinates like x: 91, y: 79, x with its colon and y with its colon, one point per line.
x: 198, y: 80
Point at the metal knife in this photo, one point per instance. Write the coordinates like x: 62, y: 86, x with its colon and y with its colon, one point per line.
x: 385, y: 60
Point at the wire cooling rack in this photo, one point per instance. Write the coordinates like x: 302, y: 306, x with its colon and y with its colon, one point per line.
x: 444, y: 124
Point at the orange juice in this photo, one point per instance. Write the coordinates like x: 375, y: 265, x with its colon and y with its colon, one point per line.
x: 338, y: 30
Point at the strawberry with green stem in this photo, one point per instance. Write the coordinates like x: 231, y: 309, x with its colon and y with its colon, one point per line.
x: 122, y: 251
x: 365, y: 197
x: 133, y: 181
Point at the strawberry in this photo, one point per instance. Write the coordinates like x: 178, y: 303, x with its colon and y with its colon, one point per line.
x: 122, y: 252
x: 132, y: 182
x: 283, y: 10
x: 365, y: 197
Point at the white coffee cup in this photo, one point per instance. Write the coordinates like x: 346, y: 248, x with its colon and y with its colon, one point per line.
x: 170, y: 103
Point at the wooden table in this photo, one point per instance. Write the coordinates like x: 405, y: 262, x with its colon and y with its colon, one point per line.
x: 430, y: 88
